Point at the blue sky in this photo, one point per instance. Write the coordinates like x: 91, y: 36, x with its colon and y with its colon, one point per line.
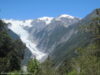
x: 31, y: 9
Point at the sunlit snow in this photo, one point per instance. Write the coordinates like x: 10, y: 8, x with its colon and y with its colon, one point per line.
x: 47, y: 20
x: 65, y: 15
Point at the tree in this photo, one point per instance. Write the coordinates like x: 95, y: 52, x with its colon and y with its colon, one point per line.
x: 11, y: 51
x: 33, y: 66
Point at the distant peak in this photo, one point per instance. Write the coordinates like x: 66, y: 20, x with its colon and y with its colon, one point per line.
x: 66, y: 16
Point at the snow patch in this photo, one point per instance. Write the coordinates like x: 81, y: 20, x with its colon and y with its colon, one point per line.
x: 66, y: 16
x: 47, y: 20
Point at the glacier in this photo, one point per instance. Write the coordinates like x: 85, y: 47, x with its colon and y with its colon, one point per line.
x: 18, y: 28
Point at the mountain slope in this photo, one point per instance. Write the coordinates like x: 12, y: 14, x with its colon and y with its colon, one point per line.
x: 53, y: 34
x: 35, y: 33
x: 11, y: 50
x: 80, y: 38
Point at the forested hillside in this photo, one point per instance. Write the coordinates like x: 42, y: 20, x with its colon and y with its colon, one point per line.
x: 11, y: 51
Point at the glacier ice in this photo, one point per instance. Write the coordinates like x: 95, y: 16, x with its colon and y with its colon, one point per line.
x: 18, y: 28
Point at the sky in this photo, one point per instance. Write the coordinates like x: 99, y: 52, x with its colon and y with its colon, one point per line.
x: 32, y: 9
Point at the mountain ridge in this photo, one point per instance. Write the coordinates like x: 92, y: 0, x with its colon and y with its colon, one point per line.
x: 47, y: 38
x: 28, y: 31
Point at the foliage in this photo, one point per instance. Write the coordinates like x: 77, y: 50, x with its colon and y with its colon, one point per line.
x: 14, y: 73
x: 73, y: 72
x: 11, y: 51
x: 47, y: 68
x: 33, y: 66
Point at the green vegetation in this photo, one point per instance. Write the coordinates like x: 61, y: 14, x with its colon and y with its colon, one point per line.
x: 33, y: 66
x: 47, y: 68
x: 11, y: 51
x: 14, y: 73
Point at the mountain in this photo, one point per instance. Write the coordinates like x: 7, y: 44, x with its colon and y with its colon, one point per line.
x: 59, y: 37
x: 70, y: 44
x: 42, y: 35
x: 53, y: 34
x: 56, y: 37
x: 81, y: 53
x: 80, y: 38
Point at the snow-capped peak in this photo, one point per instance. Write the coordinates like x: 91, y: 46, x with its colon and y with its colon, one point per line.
x: 47, y: 20
x: 66, y: 16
